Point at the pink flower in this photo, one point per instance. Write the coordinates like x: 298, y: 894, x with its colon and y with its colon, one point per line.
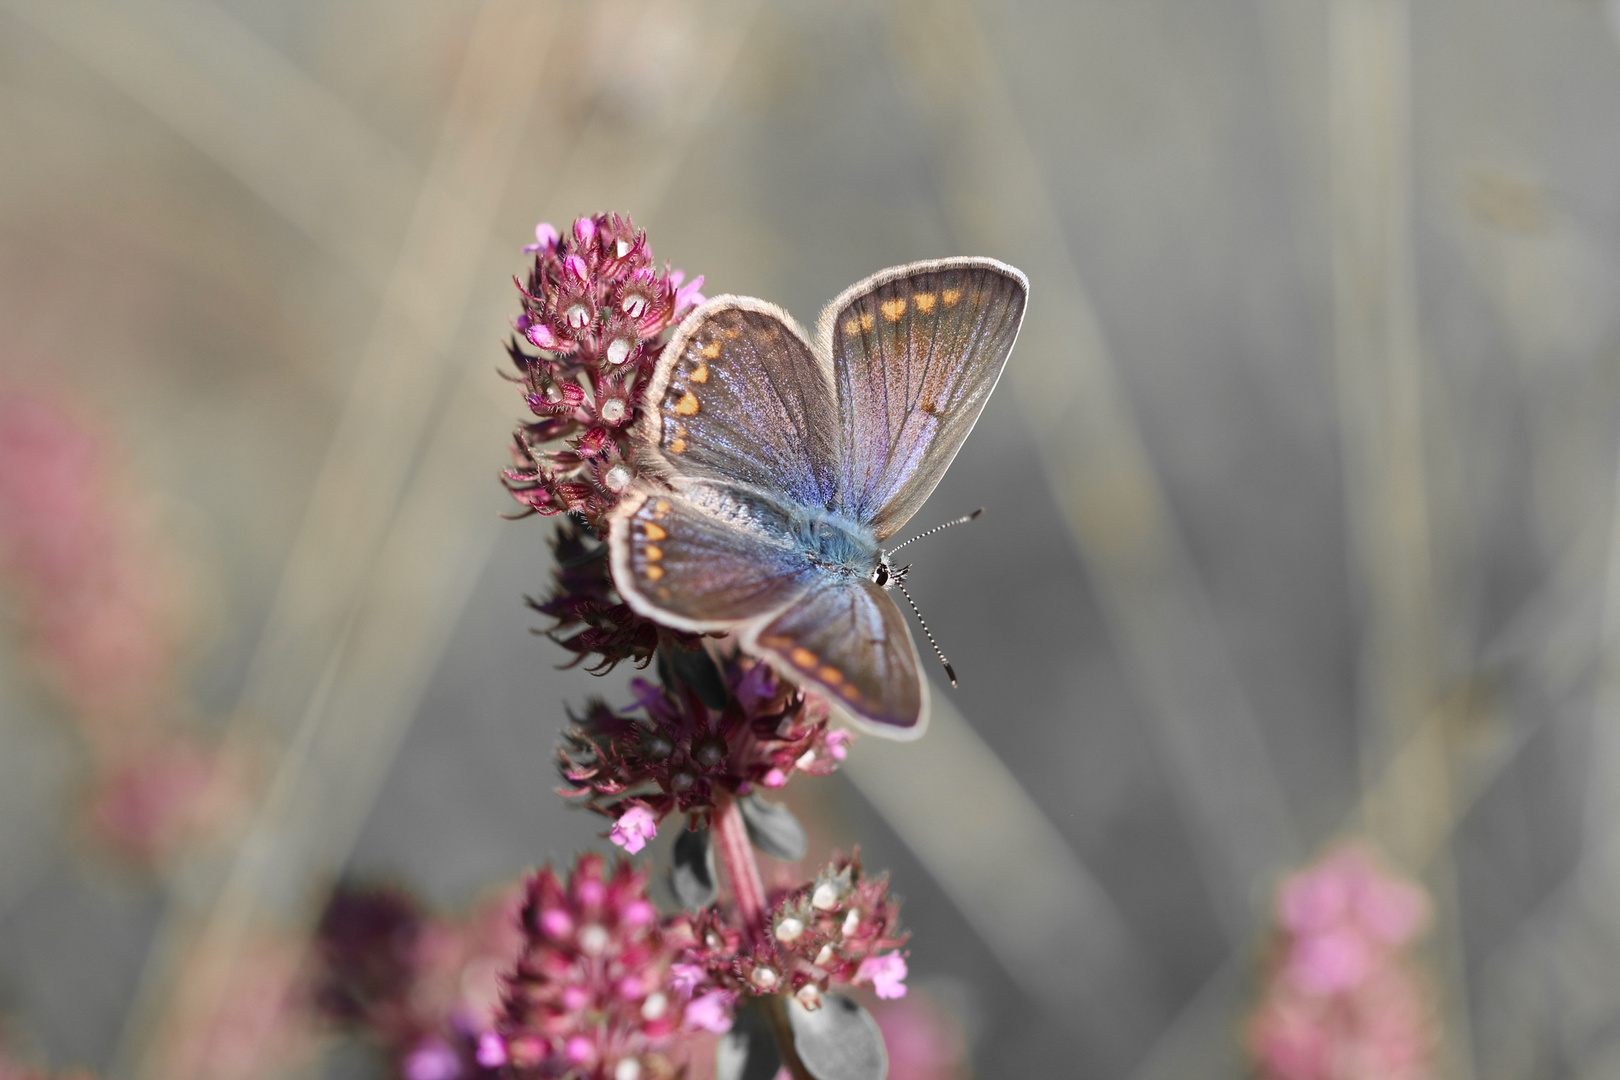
x: 1343, y: 999
x: 925, y: 1042
x: 593, y: 989
x: 886, y: 973
x: 596, y: 308
x: 842, y: 927
x: 1329, y: 963
x: 634, y: 828
x: 491, y: 1053
x: 710, y: 1012
x: 545, y: 238
x: 684, y: 755
x: 433, y: 1060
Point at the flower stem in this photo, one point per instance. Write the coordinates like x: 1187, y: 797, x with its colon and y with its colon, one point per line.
x: 748, y: 890
x: 742, y: 871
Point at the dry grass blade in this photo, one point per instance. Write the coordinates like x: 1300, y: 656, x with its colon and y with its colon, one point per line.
x: 396, y: 387
x: 1012, y: 874
x: 1098, y: 468
x: 407, y: 578
x: 1383, y: 424
x: 253, y: 112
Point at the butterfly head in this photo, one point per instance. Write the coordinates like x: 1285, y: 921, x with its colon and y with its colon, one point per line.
x: 885, y: 575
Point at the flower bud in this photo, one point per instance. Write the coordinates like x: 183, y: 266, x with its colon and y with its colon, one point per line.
x: 593, y: 940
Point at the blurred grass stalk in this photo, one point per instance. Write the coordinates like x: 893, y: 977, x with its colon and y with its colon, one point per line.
x: 1116, y: 510
x: 1406, y: 768
x: 1095, y: 460
x: 395, y: 535
x: 361, y: 603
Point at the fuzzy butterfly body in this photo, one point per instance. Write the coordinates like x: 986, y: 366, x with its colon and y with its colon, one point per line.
x: 775, y: 466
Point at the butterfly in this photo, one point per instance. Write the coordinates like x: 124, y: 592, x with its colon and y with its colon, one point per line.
x: 774, y: 466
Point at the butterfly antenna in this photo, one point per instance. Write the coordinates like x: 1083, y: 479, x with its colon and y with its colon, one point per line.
x: 950, y: 672
x: 937, y: 528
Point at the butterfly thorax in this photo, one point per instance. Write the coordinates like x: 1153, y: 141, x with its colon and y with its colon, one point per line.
x: 837, y: 543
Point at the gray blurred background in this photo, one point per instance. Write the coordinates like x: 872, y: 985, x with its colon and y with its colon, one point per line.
x: 1300, y: 487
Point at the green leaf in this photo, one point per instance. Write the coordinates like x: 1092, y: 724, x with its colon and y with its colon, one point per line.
x: 692, y: 876
x: 695, y: 668
x: 774, y: 829
x: 748, y: 1051
x: 839, y: 1041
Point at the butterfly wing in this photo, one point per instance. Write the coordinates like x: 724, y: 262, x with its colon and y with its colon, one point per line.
x: 846, y: 638
x: 740, y: 397
x: 705, y: 556
x: 916, y: 351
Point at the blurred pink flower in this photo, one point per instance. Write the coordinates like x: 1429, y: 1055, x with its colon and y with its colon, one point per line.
x: 710, y: 1012
x: 924, y: 1041
x: 150, y: 804
x: 589, y: 996
x: 254, y: 1026
x: 94, y: 602
x: 886, y: 973
x: 1343, y: 999
x: 99, y: 609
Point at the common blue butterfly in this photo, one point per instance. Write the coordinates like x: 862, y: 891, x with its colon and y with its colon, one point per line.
x: 774, y: 467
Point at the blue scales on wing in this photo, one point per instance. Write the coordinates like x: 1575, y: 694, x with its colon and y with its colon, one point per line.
x: 707, y: 556
x: 740, y: 397
x: 916, y: 352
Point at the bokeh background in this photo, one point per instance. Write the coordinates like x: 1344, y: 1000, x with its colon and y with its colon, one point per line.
x: 1301, y: 487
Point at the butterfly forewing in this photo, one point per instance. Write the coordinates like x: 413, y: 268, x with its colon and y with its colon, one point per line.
x: 740, y: 397
x: 847, y: 637
x: 916, y: 351
x: 706, y: 556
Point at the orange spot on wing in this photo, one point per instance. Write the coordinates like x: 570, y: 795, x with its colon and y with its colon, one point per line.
x: 893, y: 309
x: 951, y: 296
x: 867, y: 321
x: 831, y: 674
x: 653, y: 553
x: 712, y: 350
x: 654, y: 572
x: 848, y: 692
x: 660, y: 508
x: 653, y: 532
x: 924, y: 301
x: 701, y: 375
x: 678, y: 446
x: 688, y: 404
x: 803, y: 657
x: 851, y: 327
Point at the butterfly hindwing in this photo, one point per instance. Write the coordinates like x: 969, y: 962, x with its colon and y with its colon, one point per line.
x: 705, y: 556
x: 916, y: 351
x: 740, y: 397
x: 849, y: 641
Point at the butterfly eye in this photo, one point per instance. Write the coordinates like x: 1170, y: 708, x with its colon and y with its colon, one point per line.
x: 880, y: 574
